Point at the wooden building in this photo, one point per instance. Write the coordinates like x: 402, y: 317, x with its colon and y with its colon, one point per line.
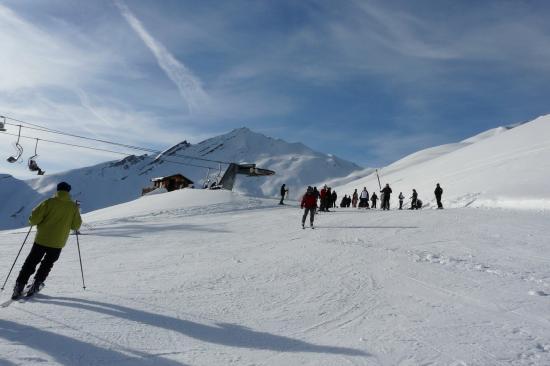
x: 170, y: 183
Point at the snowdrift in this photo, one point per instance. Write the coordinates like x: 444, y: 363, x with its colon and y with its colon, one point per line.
x: 502, y: 167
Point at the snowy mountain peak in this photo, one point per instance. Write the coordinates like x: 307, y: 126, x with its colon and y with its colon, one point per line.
x: 115, y: 182
x: 175, y: 149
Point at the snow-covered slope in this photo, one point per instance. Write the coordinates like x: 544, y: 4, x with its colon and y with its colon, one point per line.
x: 214, y: 278
x: 111, y: 183
x: 503, y: 167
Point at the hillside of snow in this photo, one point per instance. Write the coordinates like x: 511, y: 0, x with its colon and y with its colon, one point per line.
x: 504, y: 167
x: 197, y: 277
x: 115, y: 182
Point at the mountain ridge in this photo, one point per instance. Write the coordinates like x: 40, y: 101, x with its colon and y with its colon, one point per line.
x: 113, y: 182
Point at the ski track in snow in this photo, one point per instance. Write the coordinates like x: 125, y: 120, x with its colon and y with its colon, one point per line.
x: 241, y: 283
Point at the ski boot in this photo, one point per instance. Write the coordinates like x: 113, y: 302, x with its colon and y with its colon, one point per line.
x: 34, y: 289
x: 17, y: 291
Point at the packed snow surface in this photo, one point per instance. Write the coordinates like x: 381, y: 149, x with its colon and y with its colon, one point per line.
x: 212, y: 278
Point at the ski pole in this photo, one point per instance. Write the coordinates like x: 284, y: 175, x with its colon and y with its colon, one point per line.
x: 80, y: 259
x: 377, y: 176
x: 13, y: 265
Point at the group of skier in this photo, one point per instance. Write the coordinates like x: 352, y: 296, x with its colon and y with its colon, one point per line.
x: 327, y: 199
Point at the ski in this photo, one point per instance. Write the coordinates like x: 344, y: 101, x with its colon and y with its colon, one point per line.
x: 21, y: 298
x: 7, y: 303
x: 25, y: 295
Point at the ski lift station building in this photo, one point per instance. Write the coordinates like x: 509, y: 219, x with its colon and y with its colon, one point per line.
x: 170, y: 183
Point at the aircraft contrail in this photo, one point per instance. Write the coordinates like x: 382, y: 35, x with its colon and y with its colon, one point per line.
x: 189, y: 85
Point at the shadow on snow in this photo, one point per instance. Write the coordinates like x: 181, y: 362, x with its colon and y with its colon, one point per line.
x: 366, y: 227
x: 69, y: 351
x: 225, y: 334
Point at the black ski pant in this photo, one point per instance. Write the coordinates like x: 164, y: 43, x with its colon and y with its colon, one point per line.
x: 282, y: 199
x: 400, y: 204
x: 39, y: 254
x: 311, y: 212
x: 386, y: 203
x: 439, y: 204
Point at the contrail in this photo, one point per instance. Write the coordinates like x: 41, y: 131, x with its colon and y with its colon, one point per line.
x: 189, y: 86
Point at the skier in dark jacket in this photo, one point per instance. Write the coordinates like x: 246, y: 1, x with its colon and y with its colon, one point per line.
x: 373, y: 199
x: 54, y: 219
x: 386, y: 200
x: 438, y: 193
x: 355, y: 198
x: 334, y: 198
x: 322, y: 198
x: 284, y: 191
x: 317, y: 197
x: 414, y: 197
x: 344, y: 201
x: 309, y: 204
x: 328, y: 199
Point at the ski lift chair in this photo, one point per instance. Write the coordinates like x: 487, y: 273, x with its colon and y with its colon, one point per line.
x: 33, y: 166
x: 13, y: 159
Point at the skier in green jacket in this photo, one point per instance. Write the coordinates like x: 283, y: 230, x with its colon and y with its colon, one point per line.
x: 54, y: 218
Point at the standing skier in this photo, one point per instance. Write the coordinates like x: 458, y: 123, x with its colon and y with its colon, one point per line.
x: 373, y: 199
x: 355, y: 198
x: 334, y: 198
x: 364, y: 198
x: 54, y: 219
x: 438, y: 193
x: 414, y: 197
x: 401, y: 198
x: 317, y: 196
x: 284, y: 191
x: 328, y: 199
x: 309, y: 204
x: 322, y: 198
x: 386, y: 201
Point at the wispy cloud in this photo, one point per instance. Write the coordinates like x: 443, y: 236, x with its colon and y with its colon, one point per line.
x: 189, y: 86
x: 387, y: 74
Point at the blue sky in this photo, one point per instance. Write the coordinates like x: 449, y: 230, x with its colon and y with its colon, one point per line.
x: 369, y: 81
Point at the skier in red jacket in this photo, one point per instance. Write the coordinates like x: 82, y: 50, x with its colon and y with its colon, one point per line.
x: 309, y: 204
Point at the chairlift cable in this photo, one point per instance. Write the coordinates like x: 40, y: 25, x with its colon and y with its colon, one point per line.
x: 100, y: 149
x: 133, y: 147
